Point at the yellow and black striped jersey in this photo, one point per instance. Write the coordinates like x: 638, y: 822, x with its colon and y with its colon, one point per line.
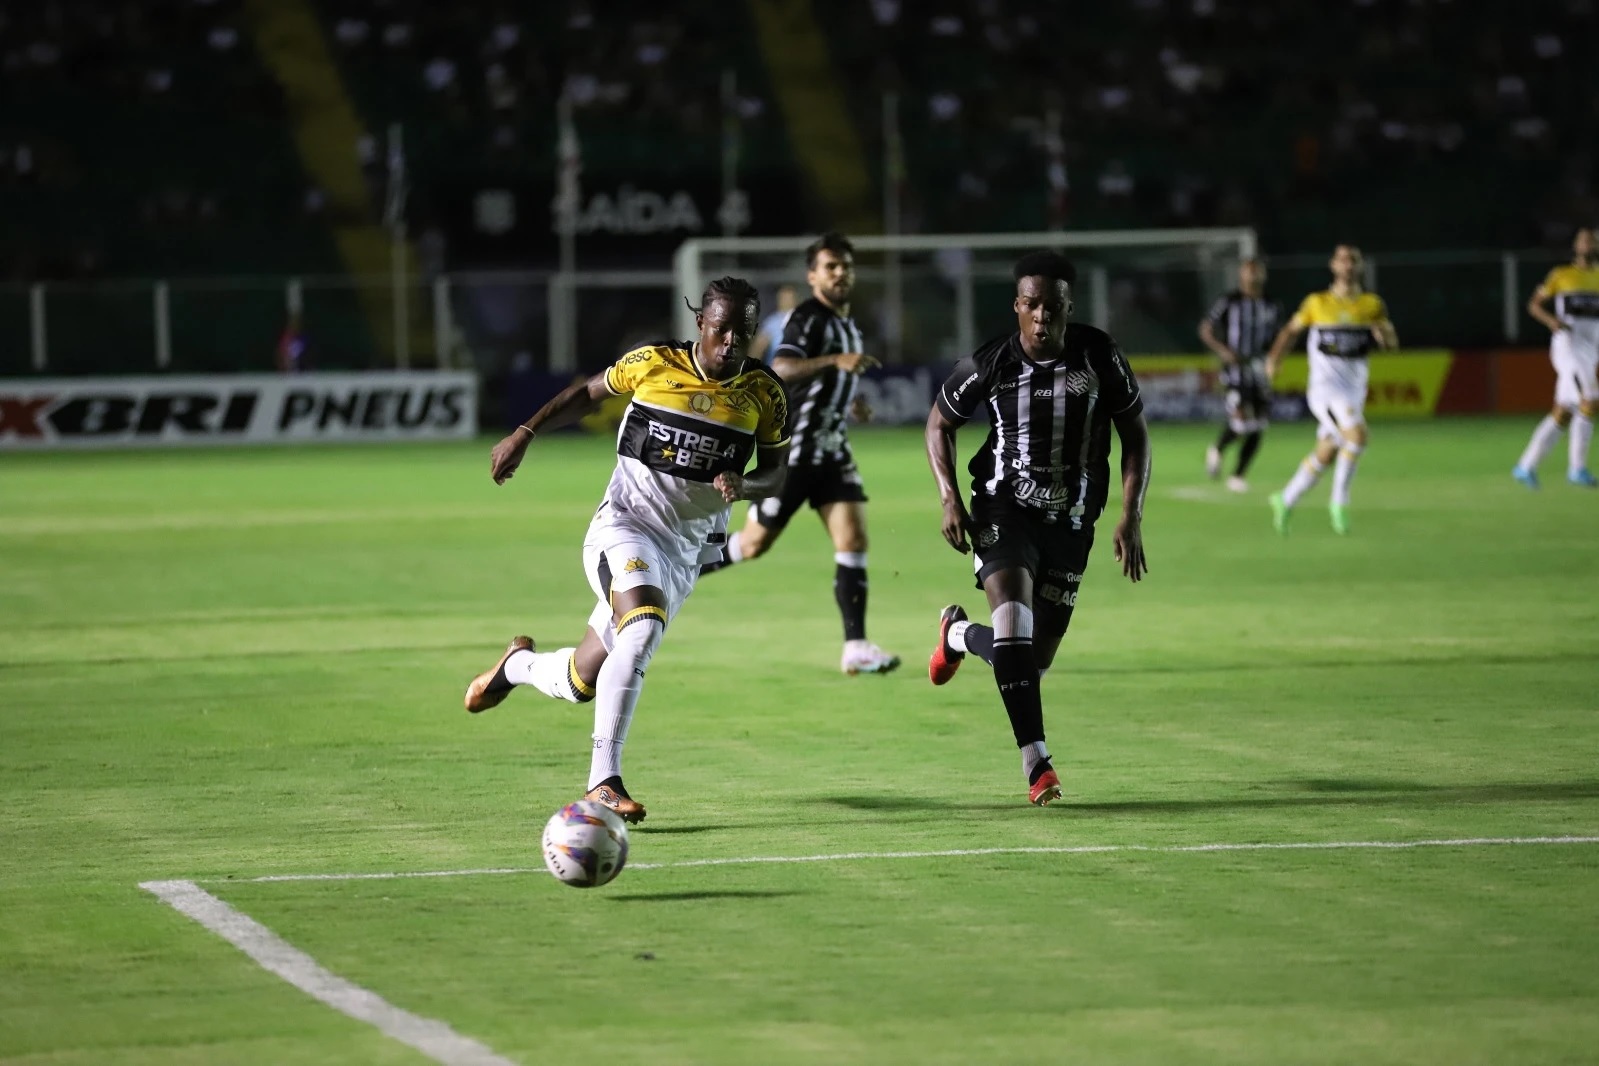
x: 680, y: 431
x: 1340, y: 326
x: 685, y: 424
x: 1574, y: 290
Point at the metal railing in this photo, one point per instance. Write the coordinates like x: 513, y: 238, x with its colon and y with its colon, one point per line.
x: 492, y: 321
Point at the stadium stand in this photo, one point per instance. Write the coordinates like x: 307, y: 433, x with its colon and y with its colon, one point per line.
x: 1183, y: 114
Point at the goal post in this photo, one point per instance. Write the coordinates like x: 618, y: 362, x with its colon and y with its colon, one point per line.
x: 923, y: 290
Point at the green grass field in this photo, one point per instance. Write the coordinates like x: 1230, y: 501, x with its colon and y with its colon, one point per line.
x: 229, y: 664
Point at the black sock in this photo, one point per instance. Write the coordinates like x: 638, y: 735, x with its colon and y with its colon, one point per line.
x: 1246, y: 452
x: 1016, y: 674
x: 980, y: 642
x: 1226, y: 438
x: 849, y: 589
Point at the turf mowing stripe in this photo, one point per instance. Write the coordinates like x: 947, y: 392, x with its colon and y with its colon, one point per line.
x: 275, y: 955
x: 849, y: 856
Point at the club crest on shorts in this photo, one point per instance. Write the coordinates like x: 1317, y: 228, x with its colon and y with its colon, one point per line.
x: 701, y: 402
x: 987, y: 538
x: 634, y: 565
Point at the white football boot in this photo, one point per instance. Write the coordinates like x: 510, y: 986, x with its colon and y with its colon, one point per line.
x: 864, y: 657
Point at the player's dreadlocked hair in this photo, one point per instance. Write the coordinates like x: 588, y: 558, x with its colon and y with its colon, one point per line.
x: 735, y: 291
x: 831, y: 241
x: 1049, y: 265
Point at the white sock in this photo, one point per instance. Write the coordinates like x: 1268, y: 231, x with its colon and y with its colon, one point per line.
x: 1543, y: 439
x: 1344, y: 473
x: 550, y: 672
x: 957, y: 636
x: 619, y: 686
x: 1304, y: 479
x: 1032, y: 755
x: 1581, y: 437
x: 735, y: 548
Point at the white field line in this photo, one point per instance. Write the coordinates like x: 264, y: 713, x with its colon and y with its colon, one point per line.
x: 430, y: 1037
x: 850, y: 856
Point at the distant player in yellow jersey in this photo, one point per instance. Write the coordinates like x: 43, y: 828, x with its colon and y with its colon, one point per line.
x: 699, y: 411
x: 1345, y: 323
x: 1568, y: 303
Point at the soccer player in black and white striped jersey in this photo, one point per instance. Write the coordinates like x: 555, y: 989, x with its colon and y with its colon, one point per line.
x: 1240, y: 328
x: 820, y: 360
x: 1053, y: 391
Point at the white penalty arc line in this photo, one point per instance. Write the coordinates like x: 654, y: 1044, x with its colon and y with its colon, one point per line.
x: 277, y: 956
x: 856, y: 856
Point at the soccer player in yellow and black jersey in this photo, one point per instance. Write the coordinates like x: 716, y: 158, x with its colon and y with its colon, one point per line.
x: 1568, y: 303
x: 1345, y: 322
x: 699, y: 411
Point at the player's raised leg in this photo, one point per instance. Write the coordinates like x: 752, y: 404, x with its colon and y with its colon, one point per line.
x: 564, y: 674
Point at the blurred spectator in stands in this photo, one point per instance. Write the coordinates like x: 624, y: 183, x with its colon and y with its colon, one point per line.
x: 292, y: 347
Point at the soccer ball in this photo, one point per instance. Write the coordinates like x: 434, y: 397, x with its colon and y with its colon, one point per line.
x: 585, y: 844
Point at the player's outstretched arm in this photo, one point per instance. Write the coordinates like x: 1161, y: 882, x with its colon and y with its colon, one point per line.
x: 764, y: 482
x: 574, y: 402
x: 940, y: 440
x: 1128, y: 539
x: 794, y: 368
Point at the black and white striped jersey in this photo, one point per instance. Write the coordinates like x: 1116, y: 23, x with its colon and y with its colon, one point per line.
x: 1247, y: 325
x: 819, y: 405
x: 1048, y: 445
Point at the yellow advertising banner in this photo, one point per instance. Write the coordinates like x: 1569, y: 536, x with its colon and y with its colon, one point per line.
x: 1403, y: 384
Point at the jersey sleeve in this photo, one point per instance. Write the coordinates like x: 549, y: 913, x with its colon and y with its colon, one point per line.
x: 803, y: 336
x: 1379, y: 314
x: 1218, y: 312
x: 962, y: 393
x: 1302, y: 317
x: 771, y: 428
x: 624, y: 375
x: 1118, y: 388
x: 1550, y: 284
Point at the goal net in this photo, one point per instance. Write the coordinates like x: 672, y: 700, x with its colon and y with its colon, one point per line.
x: 932, y: 298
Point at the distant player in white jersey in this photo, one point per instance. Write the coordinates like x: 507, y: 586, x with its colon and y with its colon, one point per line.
x: 699, y: 410
x: 1345, y: 323
x: 1568, y: 303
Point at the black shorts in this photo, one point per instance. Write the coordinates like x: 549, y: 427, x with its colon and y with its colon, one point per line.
x: 1006, y: 537
x: 815, y: 485
x: 1247, y: 396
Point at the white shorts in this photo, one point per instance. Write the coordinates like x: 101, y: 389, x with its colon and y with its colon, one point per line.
x: 1576, y: 370
x: 1337, y: 394
x: 617, y: 558
x: 1337, y: 409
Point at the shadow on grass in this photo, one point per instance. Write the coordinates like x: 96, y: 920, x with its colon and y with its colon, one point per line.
x: 682, y: 830
x: 1317, y: 792
x: 681, y: 897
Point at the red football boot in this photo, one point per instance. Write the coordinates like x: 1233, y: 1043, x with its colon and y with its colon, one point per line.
x: 945, y: 660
